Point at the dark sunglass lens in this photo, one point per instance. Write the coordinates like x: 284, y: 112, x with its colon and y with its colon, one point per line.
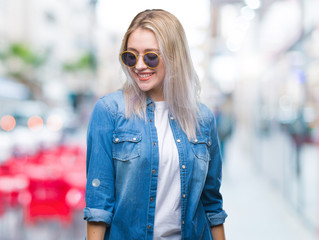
x: 129, y: 59
x: 151, y: 60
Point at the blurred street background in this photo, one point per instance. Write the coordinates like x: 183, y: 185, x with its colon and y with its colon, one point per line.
x: 258, y: 62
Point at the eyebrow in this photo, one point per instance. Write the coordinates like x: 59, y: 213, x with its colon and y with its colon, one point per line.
x: 145, y: 50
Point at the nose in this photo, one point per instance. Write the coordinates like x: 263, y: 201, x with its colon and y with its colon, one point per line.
x: 140, y: 65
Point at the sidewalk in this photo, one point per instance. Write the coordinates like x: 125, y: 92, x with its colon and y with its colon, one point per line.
x: 256, y: 210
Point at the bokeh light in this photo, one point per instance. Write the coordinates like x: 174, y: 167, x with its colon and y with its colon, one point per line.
x: 8, y: 123
x: 35, y: 123
x: 54, y: 123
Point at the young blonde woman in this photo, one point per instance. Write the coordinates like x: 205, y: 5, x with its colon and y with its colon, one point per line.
x: 153, y: 157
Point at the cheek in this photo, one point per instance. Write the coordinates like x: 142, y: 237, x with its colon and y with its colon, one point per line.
x: 132, y: 74
x: 161, y: 71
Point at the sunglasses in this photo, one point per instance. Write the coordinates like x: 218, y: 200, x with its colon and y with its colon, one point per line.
x: 151, y: 59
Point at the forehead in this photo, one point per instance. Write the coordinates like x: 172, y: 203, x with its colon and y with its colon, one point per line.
x: 142, y: 39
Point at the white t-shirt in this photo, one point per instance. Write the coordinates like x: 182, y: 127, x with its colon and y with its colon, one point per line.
x: 167, y: 223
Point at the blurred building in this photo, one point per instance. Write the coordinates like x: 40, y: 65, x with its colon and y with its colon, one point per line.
x: 265, y: 54
x: 61, y: 32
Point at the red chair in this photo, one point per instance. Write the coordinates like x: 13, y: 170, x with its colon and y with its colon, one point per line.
x: 48, y: 201
x: 11, y: 186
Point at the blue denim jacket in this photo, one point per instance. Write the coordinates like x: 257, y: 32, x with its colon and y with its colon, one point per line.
x: 122, y: 167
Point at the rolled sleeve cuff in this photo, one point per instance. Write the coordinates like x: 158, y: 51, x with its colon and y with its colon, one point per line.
x: 217, y: 218
x: 97, y: 215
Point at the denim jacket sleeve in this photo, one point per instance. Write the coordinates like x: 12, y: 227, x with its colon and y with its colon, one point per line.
x: 211, y: 196
x: 99, y: 193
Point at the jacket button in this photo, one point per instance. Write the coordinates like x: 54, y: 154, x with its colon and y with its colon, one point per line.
x: 134, y: 139
x: 171, y: 118
x: 178, y: 140
x: 116, y: 139
x: 151, y: 120
x: 96, y: 182
x: 183, y: 222
x: 154, y: 143
x: 196, y: 140
x: 149, y: 226
x: 183, y: 166
x: 184, y: 195
x: 153, y: 171
x: 151, y: 199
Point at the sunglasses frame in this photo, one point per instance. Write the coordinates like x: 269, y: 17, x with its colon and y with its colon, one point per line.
x: 136, y: 56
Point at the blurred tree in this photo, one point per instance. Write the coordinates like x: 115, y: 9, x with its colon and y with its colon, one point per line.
x: 83, y: 70
x: 21, y: 64
x: 85, y: 62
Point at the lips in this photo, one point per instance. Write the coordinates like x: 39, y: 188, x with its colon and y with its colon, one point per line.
x: 144, y: 76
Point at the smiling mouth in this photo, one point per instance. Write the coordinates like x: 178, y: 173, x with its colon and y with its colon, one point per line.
x: 143, y: 76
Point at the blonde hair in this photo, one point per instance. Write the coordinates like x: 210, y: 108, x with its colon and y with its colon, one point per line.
x: 181, y: 86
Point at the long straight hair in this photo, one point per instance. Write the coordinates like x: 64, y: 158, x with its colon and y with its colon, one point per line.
x: 181, y: 86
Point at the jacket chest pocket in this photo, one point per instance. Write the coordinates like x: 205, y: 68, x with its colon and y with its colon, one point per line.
x: 126, y: 145
x: 200, y: 147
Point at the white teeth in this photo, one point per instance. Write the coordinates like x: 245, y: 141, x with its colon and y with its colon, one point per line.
x: 144, y: 75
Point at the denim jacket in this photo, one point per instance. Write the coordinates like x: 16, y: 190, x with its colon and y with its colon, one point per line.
x: 122, y: 172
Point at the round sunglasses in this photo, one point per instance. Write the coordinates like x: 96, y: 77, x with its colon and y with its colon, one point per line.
x: 151, y: 59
